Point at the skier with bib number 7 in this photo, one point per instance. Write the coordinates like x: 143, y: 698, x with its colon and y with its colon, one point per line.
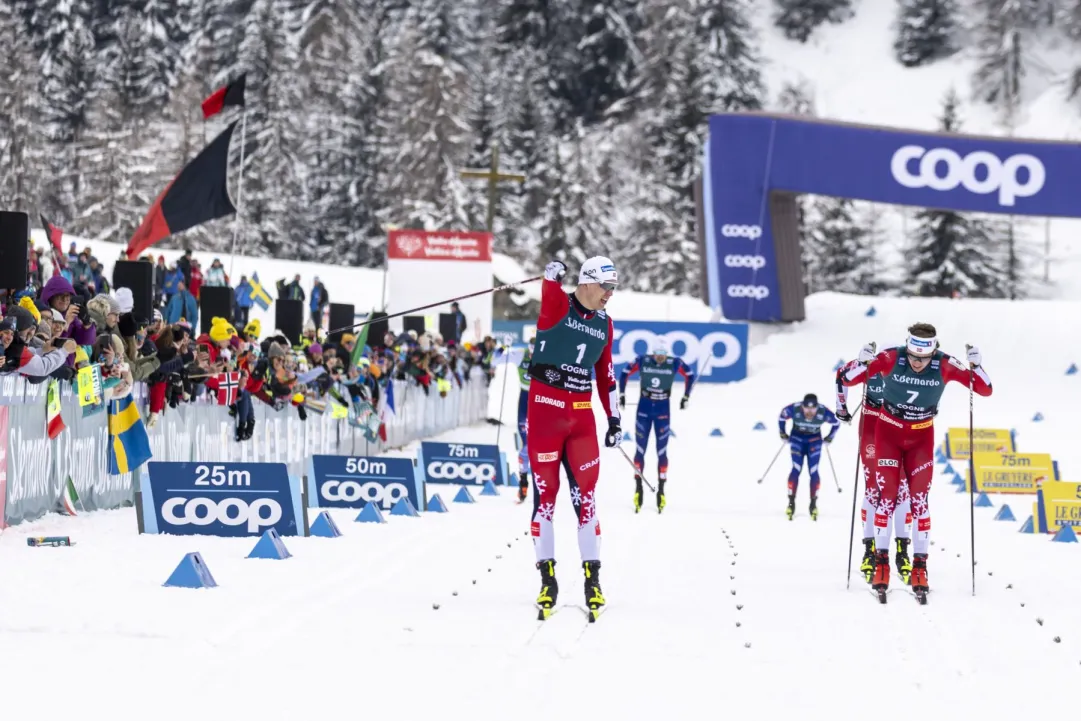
x: 573, y: 344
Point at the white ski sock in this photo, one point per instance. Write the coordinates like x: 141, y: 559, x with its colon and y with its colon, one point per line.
x: 868, y: 512
x: 589, y: 540
x: 921, y: 540
x: 902, y: 525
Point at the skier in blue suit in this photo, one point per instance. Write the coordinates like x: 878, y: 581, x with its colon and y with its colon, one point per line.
x: 657, y: 374
x: 806, y: 441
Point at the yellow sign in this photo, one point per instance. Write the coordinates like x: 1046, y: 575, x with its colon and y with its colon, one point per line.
x: 986, y: 440
x: 1011, y: 472
x: 1058, y: 504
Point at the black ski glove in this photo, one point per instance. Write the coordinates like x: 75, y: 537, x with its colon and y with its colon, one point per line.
x: 843, y: 415
x: 784, y: 436
x: 614, y: 434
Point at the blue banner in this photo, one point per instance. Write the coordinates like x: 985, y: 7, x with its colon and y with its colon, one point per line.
x: 748, y: 156
x: 221, y: 499
x: 356, y: 481
x: 716, y: 352
x: 462, y: 463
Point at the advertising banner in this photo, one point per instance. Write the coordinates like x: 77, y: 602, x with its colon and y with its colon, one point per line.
x: 356, y: 481
x: 1058, y: 504
x: 1012, y: 472
x: 986, y: 440
x: 462, y: 463
x: 716, y: 352
x: 221, y: 499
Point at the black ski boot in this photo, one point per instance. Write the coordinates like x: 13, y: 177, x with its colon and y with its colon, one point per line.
x: 660, y: 493
x: 904, y: 566
x: 546, y: 599
x: 791, y: 506
x: 594, y: 597
x: 523, y: 486
x: 867, y: 566
x: 814, y: 508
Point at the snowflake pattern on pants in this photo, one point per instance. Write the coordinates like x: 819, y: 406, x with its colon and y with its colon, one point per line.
x: 902, y: 491
x: 576, y: 497
x: 588, y: 509
x: 886, y: 507
x: 546, y: 511
x: 539, y: 482
x: 920, y: 508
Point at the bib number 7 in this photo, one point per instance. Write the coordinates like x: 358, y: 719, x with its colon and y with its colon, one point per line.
x: 912, y: 396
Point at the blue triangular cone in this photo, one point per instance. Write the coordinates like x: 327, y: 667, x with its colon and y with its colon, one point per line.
x: 627, y: 436
x: 436, y: 505
x: 1065, y: 535
x: 949, y: 469
x: 716, y: 433
x: 270, y: 545
x: 489, y: 489
x: 404, y: 507
x: 325, y: 527
x: 1026, y: 527
x: 1038, y: 416
x: 370, y: 514
x: 983, y: 501
x: 1072, y: 370
x: 871, y: 312
x: 760, y: 426
x: 191, y: 572
x: 1004, y: 514
x: 958, y: 480
x: 464, y: 496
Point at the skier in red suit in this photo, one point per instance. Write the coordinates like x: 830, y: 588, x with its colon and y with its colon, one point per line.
x: 915, y: 375
x: 573, y: 345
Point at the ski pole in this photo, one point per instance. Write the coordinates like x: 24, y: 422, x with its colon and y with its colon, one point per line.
x: 856, y: 482
x: 505, y: 286
x: 775, y: 455
x: 971, y: 475
x: 503, y: 395
x: 833, y: 470
x: 637, y: 475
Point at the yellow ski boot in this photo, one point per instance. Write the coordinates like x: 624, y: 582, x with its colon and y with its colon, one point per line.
x: 546, y: 599
x: 594, y: 597
x: 867, y: 567
x: 904, y: 565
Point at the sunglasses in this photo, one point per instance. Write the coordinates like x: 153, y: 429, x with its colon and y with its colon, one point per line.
x: 608, y: 287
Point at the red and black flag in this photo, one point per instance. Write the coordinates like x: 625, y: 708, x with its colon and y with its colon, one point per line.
x: 197, y: 195
x: 54, y: 234
x: 228, y: 96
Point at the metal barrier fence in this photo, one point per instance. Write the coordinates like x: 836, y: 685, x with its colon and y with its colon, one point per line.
x: 34, y: 469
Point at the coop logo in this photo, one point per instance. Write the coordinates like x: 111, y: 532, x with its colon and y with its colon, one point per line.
x: 980, y: 172
x: 260, y: 513
x: 755, y: 262
x: 448, y: 470
x: 758, y: 292
x: 750, y: 232
x: 371, y: 492
x: 685, y: 344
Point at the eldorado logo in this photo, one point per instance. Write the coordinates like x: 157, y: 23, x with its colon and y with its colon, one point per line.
x: 1000, y: 175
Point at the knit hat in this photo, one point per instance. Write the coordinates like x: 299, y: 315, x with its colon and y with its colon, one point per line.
x: 7, y: 324
x: 275, y: 351
x: 28, y: 303
x: 157, y: 318
x: 58, y: 317
x: 105, y: 301
x: 598, y: 269
x: 254, y: 328
x: 22, y: 318
x: 124, y: 300
x: 220, y: 330
x: 315, y: 349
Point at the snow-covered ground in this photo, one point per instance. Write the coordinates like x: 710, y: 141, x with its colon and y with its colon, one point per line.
x: 853, y: 76
x: 719, y: 607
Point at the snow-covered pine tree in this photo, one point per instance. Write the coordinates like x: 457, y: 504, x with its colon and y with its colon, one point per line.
x: 796, y: 98
x: 729, y: 66
x: 925, y: 31
x: 20, y: 140
x: 841, y: 256
x: 1001, y: 40
x: 952, y: 253
x: 607, y: 58
x: 799, y: 18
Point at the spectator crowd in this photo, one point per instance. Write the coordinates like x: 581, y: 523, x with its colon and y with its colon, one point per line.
x: 69, y: 317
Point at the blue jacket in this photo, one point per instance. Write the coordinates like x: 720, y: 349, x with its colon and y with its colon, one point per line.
x: 808, y: 428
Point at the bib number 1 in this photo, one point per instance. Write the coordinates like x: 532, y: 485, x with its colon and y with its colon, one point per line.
x: 581, y: 353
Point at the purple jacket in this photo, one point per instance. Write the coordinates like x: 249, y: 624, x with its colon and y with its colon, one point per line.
x: 83, y: 335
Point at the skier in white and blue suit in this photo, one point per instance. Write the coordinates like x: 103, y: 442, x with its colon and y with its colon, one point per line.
x: 657, y: 372
x: 806, y: 442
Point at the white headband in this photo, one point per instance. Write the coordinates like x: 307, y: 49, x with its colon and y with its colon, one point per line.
x: 922, y: 346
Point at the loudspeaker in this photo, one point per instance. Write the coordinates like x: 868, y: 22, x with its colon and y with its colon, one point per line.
x: 448, y: 328
x: 138, y: 276
x: 413, y: 322
x: 377, y: 329
x: 215, y: 301
x: 289, y: 318
x: 14, y: 237
x: 342, y: 315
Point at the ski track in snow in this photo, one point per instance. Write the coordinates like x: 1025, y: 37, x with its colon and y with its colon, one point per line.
x: 347, y: 626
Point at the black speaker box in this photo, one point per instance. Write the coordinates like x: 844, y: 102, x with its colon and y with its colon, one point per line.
x: 137, y: 276
x: 14, y: 244
x: 377, y: 329
x: 215, y: 301
x: 342, y: 315
x: 289, y: 319
x: 413, y: 322
x: 448, y: 328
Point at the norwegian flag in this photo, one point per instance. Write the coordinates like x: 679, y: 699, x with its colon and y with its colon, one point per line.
x: 228, y: 387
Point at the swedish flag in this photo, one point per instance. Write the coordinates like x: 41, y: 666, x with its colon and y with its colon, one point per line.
x: 259, y: 296
x: 129, y: 446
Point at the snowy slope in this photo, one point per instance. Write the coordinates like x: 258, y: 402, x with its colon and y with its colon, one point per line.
x: 851, y: 69
x: 347, y: 627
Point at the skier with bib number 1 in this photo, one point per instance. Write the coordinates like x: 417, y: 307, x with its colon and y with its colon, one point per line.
x: 573, y: 344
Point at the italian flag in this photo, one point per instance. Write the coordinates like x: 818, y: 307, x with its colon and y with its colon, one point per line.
x: 69, y: 497
x: 54, y: 424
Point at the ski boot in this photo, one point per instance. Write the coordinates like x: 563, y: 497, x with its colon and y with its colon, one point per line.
x: 919, y: 576
x: 523, y: 487
x: 660, y: 493
x: 639, y: 494
x: 791, y: 506
x: 546, y: 600
x: 814, y: 508
x: 881, y: 580
x: 594, y: 596
x: 904, y: 566
x: 867, y: 567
